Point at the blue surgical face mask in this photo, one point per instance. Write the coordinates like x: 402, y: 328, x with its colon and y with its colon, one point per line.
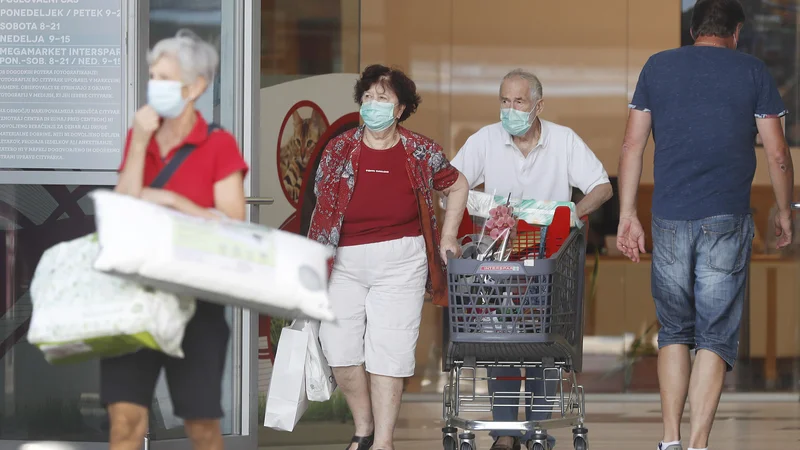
x: 516, y: 122
x: 377, y: 116
x: 166, y: 97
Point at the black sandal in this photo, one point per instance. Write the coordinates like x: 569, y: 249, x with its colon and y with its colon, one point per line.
x: 515, y: 445
x: 364, y: 443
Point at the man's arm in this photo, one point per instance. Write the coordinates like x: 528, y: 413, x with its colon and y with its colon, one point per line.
x: 594, y: 199
x: 781, y: 173
x: 630, y: 233
x: 779, y: 161
x: 587, y: 173
x: 629, y: 174
x: 768, y: 111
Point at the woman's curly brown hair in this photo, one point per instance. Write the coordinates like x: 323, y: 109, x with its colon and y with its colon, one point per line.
x: 394, y: 79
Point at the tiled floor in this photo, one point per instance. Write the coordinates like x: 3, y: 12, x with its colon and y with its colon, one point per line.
x: 612, y: 425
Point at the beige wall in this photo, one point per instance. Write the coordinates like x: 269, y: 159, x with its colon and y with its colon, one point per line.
x: 588, y: 54
x: 350, y: 35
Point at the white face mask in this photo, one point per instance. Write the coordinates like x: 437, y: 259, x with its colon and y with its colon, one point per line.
x: 166, y: 97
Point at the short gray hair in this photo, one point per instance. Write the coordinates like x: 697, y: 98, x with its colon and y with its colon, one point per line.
x: 533, y: 82
x: 196, y: 57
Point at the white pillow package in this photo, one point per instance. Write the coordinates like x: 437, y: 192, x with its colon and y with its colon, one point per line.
x: 234, y: 263
x: 535, y: 212
x: 80, y: 313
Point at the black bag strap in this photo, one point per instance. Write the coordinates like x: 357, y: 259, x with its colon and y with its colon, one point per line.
x: 180, y: 156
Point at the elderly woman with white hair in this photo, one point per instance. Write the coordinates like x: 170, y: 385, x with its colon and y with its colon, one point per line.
x: 204, y: 172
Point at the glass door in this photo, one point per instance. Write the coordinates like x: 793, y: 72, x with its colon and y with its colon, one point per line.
x: 228, y: 25
x: 63, y: 114
x: 308, y: 62
x: 87, y: 73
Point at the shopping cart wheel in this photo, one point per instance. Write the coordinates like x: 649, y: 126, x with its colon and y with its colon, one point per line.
x: 450, y: 438
x: 580, y: 439
x: 538, y: 442
x: 449, y: 443
x: 467, y: 441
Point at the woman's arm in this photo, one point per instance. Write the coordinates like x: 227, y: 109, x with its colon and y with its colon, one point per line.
x: 323, y: 184
x: 457, y: 195
x: 229, y: 196
x: 228, y: 199
x: 177, y: 202
x: 451, y: 183
x: 132, y: 174
x: 131, y: 177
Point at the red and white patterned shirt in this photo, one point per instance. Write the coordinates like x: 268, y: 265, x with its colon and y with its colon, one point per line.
x: 428, y: 169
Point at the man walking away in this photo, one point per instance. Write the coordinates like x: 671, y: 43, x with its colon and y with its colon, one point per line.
x: 704, y: 104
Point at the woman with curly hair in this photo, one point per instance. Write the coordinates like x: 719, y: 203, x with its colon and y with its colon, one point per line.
x: 374, y: 189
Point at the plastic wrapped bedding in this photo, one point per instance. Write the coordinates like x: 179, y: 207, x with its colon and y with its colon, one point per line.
x: 80, y: 313
x: 229, y: 262
x: 534, y: 212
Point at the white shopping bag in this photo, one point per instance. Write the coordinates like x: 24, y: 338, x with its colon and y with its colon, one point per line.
x: 286, y: 398
x: 320, y: 383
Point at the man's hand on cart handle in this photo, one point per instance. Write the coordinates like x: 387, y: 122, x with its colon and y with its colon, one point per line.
x: 630, y: 237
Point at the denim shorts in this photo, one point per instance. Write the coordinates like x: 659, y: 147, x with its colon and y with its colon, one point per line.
x: 699, y: 277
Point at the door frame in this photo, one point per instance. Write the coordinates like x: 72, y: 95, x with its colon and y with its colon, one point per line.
x: 240, y: 72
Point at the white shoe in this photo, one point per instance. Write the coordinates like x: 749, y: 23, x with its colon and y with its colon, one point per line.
x: 670, y: 447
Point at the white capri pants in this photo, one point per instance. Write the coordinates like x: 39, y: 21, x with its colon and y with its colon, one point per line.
x: 376, y: 292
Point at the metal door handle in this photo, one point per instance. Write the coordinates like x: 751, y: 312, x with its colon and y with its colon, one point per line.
x: 795, y: 206
x: 258, y: 201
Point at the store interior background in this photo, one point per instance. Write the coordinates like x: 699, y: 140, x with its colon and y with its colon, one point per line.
x: 587, y: 53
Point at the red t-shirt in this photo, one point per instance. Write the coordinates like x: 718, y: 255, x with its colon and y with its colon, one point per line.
x: 384, y: 205
x: 215, y: 157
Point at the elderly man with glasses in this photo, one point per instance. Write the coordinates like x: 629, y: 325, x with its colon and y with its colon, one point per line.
x: 530, y: 158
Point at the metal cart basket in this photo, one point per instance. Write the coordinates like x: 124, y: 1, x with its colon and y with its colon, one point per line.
x: 524, y: 313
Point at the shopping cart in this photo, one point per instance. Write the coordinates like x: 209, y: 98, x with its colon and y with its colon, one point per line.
x: 523, y: 309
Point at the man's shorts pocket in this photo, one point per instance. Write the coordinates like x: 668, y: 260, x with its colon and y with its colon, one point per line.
x: 727, y: 239
x: 664, y: 232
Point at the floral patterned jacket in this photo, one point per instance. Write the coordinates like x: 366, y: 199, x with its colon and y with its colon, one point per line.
x: 428, y: 169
